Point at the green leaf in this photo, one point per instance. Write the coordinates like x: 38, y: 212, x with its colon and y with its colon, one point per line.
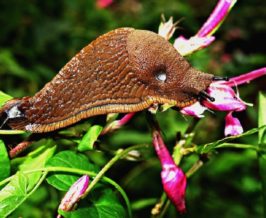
x: 62, y: 181
x: 262, y: 145
x: 89, y: 138
x: 4, y: 162
x: 4, y: 98
x: 13, y: 194
x: 262, y: 120
x: 103, y: 203
x: 36, y: 160
x: 16, y: 192
x: 211, y: 146
x: 24, y: 183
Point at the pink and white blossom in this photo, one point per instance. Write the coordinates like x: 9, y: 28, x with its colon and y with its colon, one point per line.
x: 225, y: 100
x: 167, y: 29
x: 203, y: 37
x: 194, y: 110
x: 173, y: 178
x: 216, y: 18
x: 232, y: 125
x: 74, y: 194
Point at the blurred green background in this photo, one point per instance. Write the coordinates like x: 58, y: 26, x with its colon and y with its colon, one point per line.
x: 37, y: 38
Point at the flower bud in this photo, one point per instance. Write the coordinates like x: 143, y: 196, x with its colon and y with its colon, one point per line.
x: 232, y: 125
x: 174, y: 184
x: 173, y: 178
x: 74, y: 193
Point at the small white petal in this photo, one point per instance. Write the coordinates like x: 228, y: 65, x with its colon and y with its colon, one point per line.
x: 195, y: 110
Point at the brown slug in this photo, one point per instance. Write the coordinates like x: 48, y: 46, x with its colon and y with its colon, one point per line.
x: 125, y: 70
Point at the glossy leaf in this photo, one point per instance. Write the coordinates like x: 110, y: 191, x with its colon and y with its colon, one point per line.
x: 90, y: 138
x: 4, y: 98
x: 24, y: 183
x: 63, y: 181
x: 13, y: 194
x: 4, y: 162
x: 36, y: 161
x: 262, y: 120
x: 211, y: 146
x: 262, y: 145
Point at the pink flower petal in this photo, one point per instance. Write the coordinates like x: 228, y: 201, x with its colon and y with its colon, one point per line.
x: 195, y: 110
x: 117, y: 123
x: 225, y: 98
x: 245, y: 78
x: 161, y: 150
x: 125, y: 119
x: 187, y: 46
x: 232, y: 125
x: 173, y: 178
x: 74, y: 193
x: 216, y: 18
x: 174, y: 184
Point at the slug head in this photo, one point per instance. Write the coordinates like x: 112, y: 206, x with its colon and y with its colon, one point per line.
x: 168, y: 76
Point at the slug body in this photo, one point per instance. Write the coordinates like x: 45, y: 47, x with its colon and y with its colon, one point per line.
x: 125, y: 70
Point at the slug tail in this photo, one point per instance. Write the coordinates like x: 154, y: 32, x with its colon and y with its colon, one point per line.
x: 12, y: 115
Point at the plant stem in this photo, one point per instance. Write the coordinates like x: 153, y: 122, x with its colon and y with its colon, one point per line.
x: 11, y: 132
x: 120, y: 154
x: 103, y: 171
x: 39, y: 183
x: 165, y: 208
x: 237, y: 145
x: 196, y: 166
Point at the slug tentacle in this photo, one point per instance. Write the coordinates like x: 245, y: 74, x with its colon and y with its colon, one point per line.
x: 125, y: 70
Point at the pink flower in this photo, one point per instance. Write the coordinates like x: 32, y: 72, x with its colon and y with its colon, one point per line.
x: 225, y: 100
x: 204, y: 36
x: 245, y: 78
x: 116, y: 124
x: 232, y: 125
x: 216, y: 18
x: 104, y: 3
x: 224, y: 95
x: 174, y: 184
x: 74, y: 194
x: 173, y: 178
x: 194, y: 110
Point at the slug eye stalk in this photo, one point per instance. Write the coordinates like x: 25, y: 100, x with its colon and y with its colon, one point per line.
x: 205, y: 96
x: 220, y: 78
